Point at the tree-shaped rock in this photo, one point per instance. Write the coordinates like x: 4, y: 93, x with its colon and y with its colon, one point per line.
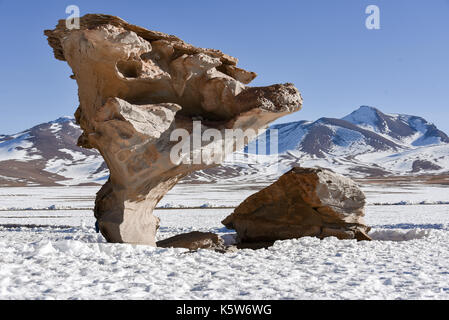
x: 135, y: 88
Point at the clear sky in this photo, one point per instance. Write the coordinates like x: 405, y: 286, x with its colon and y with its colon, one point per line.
x: 322, y: 46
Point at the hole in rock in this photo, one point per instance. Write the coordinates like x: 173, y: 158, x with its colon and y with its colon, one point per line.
x: 130, y: 68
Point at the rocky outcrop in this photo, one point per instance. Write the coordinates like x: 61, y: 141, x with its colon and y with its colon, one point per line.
x: 135, y: 88
x: 303, y: 202
x: 193, y: 241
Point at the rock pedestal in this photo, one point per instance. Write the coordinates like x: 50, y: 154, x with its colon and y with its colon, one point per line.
x: 137, y: 86
x: 303, y: 202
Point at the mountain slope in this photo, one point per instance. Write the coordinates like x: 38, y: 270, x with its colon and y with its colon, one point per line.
x: 403, y: 129
x: 47, y: 154
x: 364, y: 143
x: 367, y: 143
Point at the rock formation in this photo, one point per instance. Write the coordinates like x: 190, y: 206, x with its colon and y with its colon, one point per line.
x: 137, y: 86
x: 303, y: 202
x: 193, y: 241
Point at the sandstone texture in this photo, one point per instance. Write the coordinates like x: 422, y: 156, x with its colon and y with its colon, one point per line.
x: 303, y: 202
x: 137, y: 86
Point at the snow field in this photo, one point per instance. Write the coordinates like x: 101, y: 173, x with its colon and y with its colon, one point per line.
x: 63, y: 258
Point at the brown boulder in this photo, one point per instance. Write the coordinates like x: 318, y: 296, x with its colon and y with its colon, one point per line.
x: 303, y: 202
x: 193, y: 241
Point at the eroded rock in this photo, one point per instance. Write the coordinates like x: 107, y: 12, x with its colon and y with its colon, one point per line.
x: 135, y: 88
x: 303, y: 202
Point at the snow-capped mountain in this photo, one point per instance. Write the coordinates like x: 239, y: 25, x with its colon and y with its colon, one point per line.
x: 364, y: 143
x: 47, y: 154
x: 403, y: 129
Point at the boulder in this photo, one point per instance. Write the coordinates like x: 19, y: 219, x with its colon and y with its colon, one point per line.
x: 303, y: 202
x: 135, y: 88
x: 193, y: 241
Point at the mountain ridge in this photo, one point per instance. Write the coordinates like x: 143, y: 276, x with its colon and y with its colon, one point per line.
x: 364, y: 143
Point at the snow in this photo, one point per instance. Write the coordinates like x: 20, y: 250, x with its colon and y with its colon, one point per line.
x: 409, y: 194
x: 79, y: 170
x: 8, y: 178
x: 356, y: 154
x: 55, y: 127
x: 350, y: 153
x: 23, y: 198
x: 76, y: 155
x: 402, y: 162
x: 345, y: 137
x: 290, y: 135
x: 364, y: 117
x: 18, y: 148
x: 56, y: 254
x: 367, y: 118
x: 426, y: 141
x: 346, y: 142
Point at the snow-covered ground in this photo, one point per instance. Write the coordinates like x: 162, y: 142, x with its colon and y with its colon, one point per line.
x: 49, y: 250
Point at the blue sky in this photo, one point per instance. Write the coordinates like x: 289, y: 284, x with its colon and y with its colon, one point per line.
x: 322, y: 46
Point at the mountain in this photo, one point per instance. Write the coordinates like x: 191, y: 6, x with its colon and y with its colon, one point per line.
x: 47, y: 154
x: 411, y: 130
x: 365, y: 143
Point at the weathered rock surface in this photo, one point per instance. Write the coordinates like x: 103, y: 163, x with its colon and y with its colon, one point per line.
x: 303, y: 202
x: 193, y: 241
x: 137, y: 86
